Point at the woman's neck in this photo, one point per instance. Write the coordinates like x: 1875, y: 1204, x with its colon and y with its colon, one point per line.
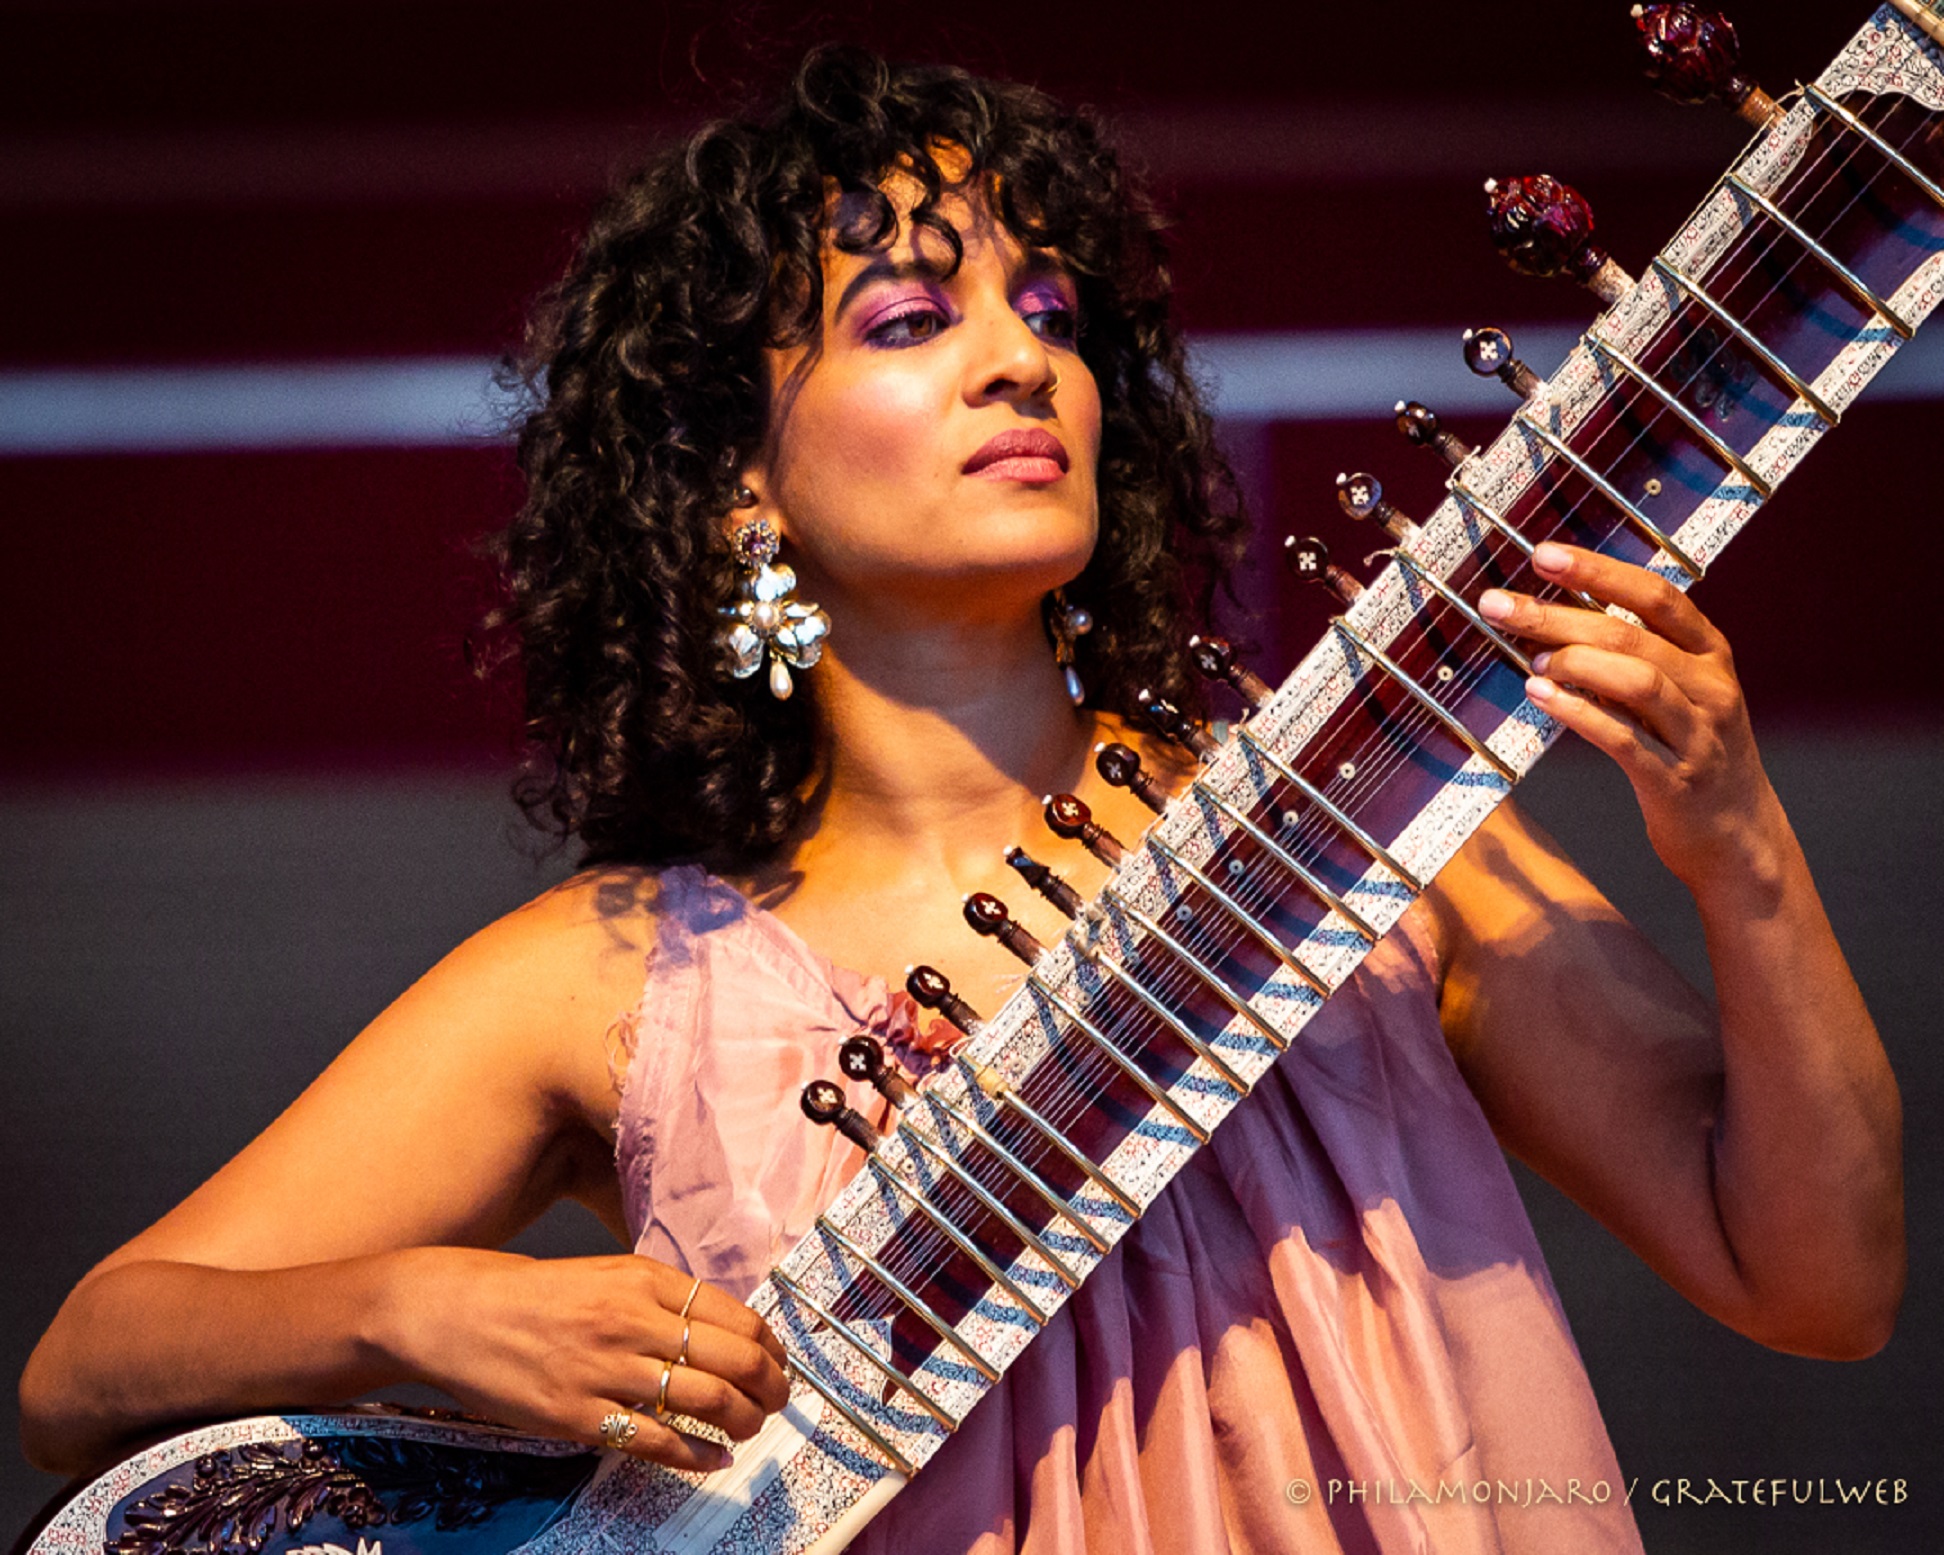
x: 939, y: 740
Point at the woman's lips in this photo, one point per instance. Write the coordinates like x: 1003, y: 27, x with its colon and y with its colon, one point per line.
x: 1027, y: 454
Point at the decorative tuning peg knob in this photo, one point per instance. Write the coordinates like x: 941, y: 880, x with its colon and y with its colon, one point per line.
x: 1215, y: 658
x: 1309, y: 561
x: 1545, y: 228
x: 1362, y: 496
x: 1172, y: 723
x: 1694, y: 56
x: 931, y: 989
x: 1069, y: 818
x: 1044, y: 881
x: 1488, y: 352
x: 1420, y: 425
x: 989, y: 919
x: 1121, y: 766
x: 823, y: 1102
x: 862, y: 1058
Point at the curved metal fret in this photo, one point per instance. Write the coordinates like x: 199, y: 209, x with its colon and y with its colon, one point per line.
x: 1094, y: 1172
x: 921, y: 1202
x: 1734, y: 461
x: 1854, y: 283
x: 1290, y: 862
x: 1451, y: 597
x: 1054, y: 1200
x: 1156, y: 1093
x: 1424, y: 699
x: 1641, y: 524
x: 1470, y: 499
x: 1746, y: 336
x: 941, y: 1154
x: 1315, y: 796
x: 1203, y: 973
x: 1856, y: 126
x: 856, y: 1341
x: 863, y: 1427
x: 911, y: 1299
x: 1258, y: 931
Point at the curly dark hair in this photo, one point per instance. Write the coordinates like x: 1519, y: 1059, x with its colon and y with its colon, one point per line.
x: 646, y: 363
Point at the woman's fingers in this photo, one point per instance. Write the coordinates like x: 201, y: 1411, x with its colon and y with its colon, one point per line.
x: 721, y: 1310
x: 725, y: 1338
x: 741, y: 1363
x: 1636, y: 749
x: 691, y: 1391
x: 1636, y: 686
x: 655, y: 1440
x: 1663, y: 609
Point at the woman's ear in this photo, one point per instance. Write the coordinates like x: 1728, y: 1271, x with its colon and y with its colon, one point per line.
x: 752, y: 502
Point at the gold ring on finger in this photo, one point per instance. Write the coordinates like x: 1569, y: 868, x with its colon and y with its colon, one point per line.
x: 618, y: 1428
x: 681, y: 1357
x: 694, y: 1290
x: 661, y: 1398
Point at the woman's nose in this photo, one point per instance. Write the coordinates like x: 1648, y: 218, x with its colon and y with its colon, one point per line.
x: 1014, y: 362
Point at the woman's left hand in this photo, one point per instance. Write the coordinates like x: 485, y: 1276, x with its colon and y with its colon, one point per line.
x: 1660, y: 698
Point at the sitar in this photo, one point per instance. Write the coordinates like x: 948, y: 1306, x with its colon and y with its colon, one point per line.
x: 1311, y: 825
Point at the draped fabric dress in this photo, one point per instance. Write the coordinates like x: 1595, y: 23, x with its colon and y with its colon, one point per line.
x: 1333, y: 1331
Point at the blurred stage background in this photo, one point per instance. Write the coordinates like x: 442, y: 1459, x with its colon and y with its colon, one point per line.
x: 255, y: 264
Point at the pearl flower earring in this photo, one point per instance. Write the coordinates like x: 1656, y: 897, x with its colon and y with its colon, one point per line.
x: 765, y: 621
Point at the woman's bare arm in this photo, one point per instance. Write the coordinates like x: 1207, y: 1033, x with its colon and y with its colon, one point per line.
x: 1750, y: 1152
x: 344, y: 1248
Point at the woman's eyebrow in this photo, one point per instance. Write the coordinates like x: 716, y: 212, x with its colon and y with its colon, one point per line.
x: 1043, y: 264
x: 885, y: 268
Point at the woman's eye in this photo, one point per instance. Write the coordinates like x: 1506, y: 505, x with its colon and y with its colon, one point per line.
x: 906, y: 329
x: 1055, y: 323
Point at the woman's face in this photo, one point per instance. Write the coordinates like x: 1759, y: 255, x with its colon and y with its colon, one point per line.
x: 932, y: 455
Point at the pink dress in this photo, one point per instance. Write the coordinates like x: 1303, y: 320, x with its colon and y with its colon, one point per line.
x: 1333, y: 1331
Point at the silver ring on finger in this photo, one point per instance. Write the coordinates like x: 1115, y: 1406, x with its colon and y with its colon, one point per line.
x: 618, y: 1428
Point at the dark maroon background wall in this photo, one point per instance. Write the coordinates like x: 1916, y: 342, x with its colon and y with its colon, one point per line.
x: 187, y: 183
x: 220, y: 183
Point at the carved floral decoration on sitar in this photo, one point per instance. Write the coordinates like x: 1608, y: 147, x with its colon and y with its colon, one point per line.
x: 239, y: 1498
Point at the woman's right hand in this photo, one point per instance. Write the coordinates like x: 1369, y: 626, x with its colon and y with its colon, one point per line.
x: 553, y: 1346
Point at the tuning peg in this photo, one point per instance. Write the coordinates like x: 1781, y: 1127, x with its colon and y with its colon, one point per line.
x: 1362, y: 496
x: 1044, y: 881
x: 1215, y: 658
x: 1420, y: 424
x: 990, y: 920
x: 1309, y: 561
x: 931, y: 989
x: 1121, y: 766
x: 823, y: 1102
x: 1488, y: 352
x: 1694, y: 56
x: 1068, y: 818
x: 862, y: 1058
x: 1545, y: 228
x: 1172, y: 723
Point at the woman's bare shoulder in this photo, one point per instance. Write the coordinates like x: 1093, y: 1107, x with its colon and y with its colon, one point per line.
x: 552, y: 977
